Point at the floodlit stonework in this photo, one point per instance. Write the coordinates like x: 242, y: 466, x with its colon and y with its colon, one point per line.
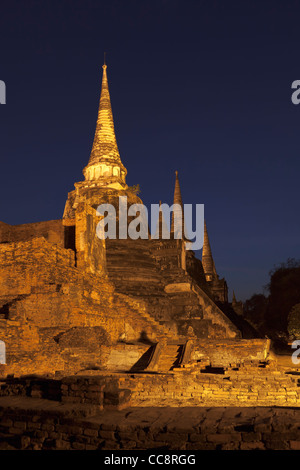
x: 98, y: 325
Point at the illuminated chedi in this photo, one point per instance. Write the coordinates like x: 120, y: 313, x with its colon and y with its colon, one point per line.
x: 58, y: 278
x: 105, y: 167
x: 105, y: 174
x: 88, y: 313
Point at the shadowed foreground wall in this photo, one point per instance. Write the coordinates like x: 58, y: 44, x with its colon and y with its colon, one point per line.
x: 99, y: 412
x: 38, y: 425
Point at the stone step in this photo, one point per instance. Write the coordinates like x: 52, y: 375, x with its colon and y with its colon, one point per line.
x: 169, y: 357
x: 162, y: 331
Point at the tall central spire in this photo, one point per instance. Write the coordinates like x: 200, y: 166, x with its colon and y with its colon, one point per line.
x: 105, y: 142
x: 105, y: 164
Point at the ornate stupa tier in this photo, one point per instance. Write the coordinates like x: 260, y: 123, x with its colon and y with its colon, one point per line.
x: 105, y: 167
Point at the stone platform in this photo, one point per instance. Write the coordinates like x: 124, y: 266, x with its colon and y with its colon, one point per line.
x: 37, y: 424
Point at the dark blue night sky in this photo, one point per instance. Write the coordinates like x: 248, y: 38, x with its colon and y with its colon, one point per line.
x: 202, y: 87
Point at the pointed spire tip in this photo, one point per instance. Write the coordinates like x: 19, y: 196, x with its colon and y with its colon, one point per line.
x: 104, y: 66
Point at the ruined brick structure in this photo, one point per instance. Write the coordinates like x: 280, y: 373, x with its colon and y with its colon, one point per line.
x: 108, y: 324
x: 65, y: 291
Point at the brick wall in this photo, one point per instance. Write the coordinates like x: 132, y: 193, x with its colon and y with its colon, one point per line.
x: 37, y: 424
x: 250, y: 385
x: 224, y: 352
x: 44, y: 295
x: 51, y: 230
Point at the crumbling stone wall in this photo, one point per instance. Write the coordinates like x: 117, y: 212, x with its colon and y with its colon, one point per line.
x: 52, y: 230
x: 226, y: 352
x: 250, y: 385
x: 43, y: 294
x: 90, y: 250
x: 26, y: 425
x: 68, y: 415
x: 253, y: 384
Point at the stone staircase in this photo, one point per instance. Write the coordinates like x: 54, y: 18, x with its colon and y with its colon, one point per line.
x: 163, y: 331
x: 131, y: 267
x: 169, y: 357
x: 165, y: 356
x: 138, y: 309
x: 172, y: 296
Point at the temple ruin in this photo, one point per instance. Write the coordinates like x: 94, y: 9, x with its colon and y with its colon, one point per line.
x: 113, y: 323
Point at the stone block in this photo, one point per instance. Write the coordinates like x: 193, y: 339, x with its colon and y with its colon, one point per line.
x: 252, y: 445
x: 106, y: 434
x: 20, y: 424
x: 276, y: 445
x: 90, y: 432
x: 251, y: 436
x: 197, y: 437
x: 126, y: 436
x: 13, y: 430
x: 223, y: 438
x: 171, y: 437
x: 62, y: 444
x: 295, y: 445
x: 78, y: 446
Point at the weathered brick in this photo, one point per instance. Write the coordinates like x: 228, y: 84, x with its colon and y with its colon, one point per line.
x: 62, y: 445
x: 197, y: 437
x: 295, y: 445
x: 251, y: 436
x: 171, y: 437
x: 78, y: 446
x: 90, y: 432
x: 223, y: 438
x: 106, y: 434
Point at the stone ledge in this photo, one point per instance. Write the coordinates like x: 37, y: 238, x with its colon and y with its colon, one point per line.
x: 178, y: 287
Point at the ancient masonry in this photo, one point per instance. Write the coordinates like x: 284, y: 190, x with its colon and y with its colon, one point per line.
x: 88, y: 326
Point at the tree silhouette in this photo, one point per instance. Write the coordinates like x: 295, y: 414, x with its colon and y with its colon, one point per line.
x: 284, y: 288
x: 294, y: 321
x: 255, y: 310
